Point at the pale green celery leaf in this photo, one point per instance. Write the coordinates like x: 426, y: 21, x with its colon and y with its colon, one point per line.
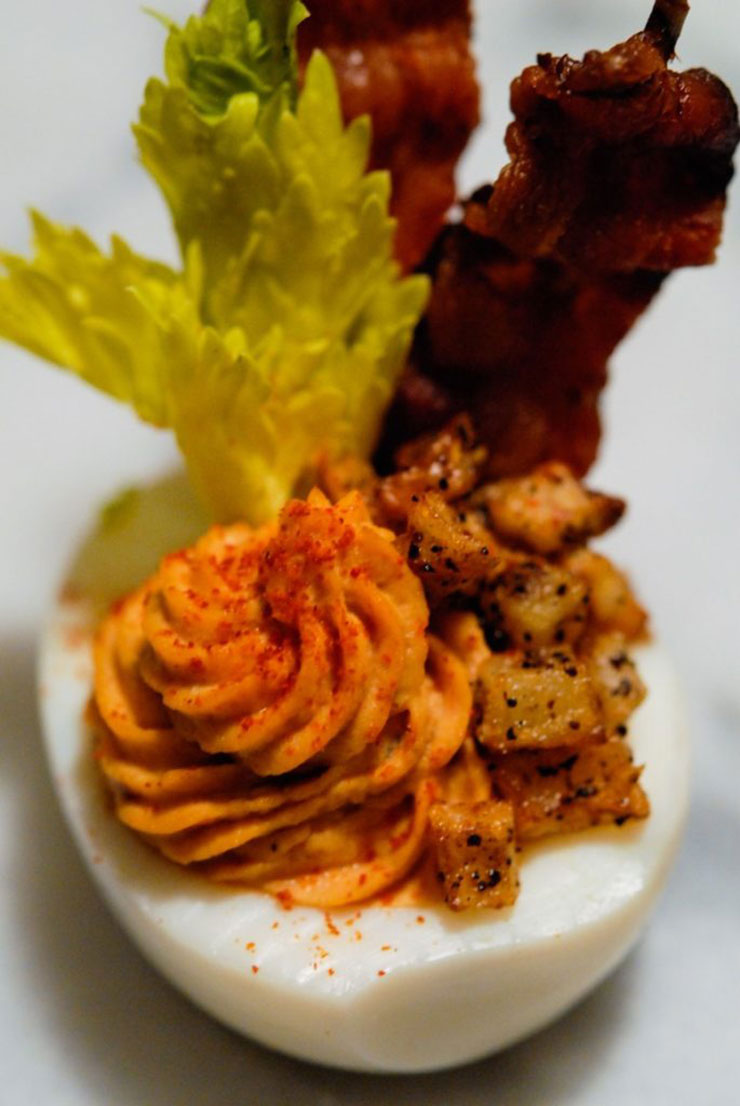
x: 223, y: 175
x: 317, y: 260
x: 295, y: 243
x: 215, y: 175
x: 235, y: 46
x: 100, y: 316
x: 283, y: 339
x: 252, y: 425
x: 245, y: 444
x: 197, y: 134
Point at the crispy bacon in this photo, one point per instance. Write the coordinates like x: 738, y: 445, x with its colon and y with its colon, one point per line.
x: 523, y: 343
x: 618, y: 173
x: 617, y: 162
x: 409, y: 65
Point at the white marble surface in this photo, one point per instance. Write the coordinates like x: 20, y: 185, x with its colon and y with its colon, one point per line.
x: 83, y: 1020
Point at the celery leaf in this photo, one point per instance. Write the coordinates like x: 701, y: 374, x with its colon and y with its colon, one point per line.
x: 283, y: 337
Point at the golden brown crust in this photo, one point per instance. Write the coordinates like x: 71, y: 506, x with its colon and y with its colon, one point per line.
x: 547, y: 511
x: 474, y: 852
x: 542, y: 626
x: 549, y: 725
x: 524, y: 700
x: 612, y: 603
x: 568, y: 790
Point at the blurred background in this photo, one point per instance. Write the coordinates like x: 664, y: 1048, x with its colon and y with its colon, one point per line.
x: 83, y: 1020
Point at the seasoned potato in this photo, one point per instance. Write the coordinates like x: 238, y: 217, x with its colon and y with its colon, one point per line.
x: 526, y: 702
x: 475, y: 853
x: 548, y: 510
x: 535, y: 605
x: 562, y: 790
x: 450, y: 460
x: 448, y: 463
x: 540, y: 624
x: 450, y: 555
x: 613, y: 605
x: 618, y: 686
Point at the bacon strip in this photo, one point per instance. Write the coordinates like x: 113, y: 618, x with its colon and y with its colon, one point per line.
x: 617, y: 162
x: 409, y: 66
x: 618, y: 173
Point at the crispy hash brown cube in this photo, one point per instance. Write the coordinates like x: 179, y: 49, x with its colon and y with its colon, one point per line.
x: 535, y: 605
x: 525, y: 702
x: 475, y: 853
x: 448, y: 463
x: 618, y: 685
x: 548, y: 510
x: 541, y: 625
x: 613, y: 606
x: 563, y: 790
x: 452, y: 457
x: 449, y: 555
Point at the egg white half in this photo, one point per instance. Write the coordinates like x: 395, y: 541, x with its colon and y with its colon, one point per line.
x: 373, y: 988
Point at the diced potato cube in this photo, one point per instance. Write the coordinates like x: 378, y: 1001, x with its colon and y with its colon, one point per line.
x: 613, y: 606
x: 536, y: 605
x: 548, y: 510
x: 521, y: 701
x: 449, y: 555
x: 475, y: 854
x: 618, y: 686
x: 447, y: 462
x: 565, y: 790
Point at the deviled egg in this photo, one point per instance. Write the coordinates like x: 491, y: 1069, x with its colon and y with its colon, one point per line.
x: 372, y: 987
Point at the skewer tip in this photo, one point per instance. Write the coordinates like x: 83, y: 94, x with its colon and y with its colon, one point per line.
x: 665, y: 23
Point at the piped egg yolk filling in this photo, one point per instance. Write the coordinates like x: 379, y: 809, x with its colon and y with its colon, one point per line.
x: 270, y: 709
x: 273, y: 710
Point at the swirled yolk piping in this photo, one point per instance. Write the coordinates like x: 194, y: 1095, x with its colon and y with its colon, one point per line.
x: 274, y: 686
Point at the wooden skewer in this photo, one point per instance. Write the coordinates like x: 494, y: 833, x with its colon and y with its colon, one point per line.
x: 665, y: 23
